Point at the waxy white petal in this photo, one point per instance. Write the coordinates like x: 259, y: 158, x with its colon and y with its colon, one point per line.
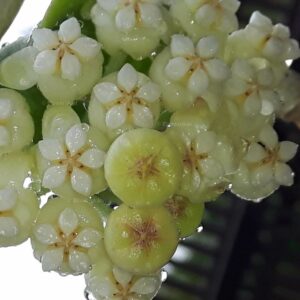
x: 106, y: 92
x: 110, y: 5
x: 45, y: 39
x: 69, y: 30
x: 205, y: 142
x: 274, y: 48
x: 126, y: 19
x: 236, y: 86
x: 260, y: 20
x: 293, y: 51
x: 177, y: 68
x: 128, y: 78
x: 198, y: 82
x: 70, y: 67
x: 208, y: 47
x: 54, y: 177
x: 206, y: 15
x: 269, y: 137
x: 252, y: 105
x: 52, y: 149
x: 145, y: 285
x: 79, y: 262
x: 212, y: 168
x: 182, y: 45
x: 46, y: 234
x: 8, y: 227
x: 105, y: 288
x: 8, y: 199
x: 122, y: 276
x: 92, y: 158
x: 116, y: 116
x: 81, y: 182
x: 46, y: 62
x: 52, y: 259
x: 284, y: 174
x: 6, y: 108
x: 5, y: 136
x: 86, y: 48
x: 68, y: 221
x: 76, y: 138
x: 217, y: 69
x: 149, y: 92
x: 142, y: 116
x: 255, y: 153
x: 150, y: 14
x: 265, y: 77
x: 262, y: 175
x: 287, y: 150
x: 242, y: 69
x: 87, y: 238
x: 231, y: 5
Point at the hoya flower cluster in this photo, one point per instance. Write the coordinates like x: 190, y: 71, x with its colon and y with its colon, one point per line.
x: 160, y: 108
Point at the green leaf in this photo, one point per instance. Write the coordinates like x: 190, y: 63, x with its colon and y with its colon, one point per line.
x: 8, y: 11
x: 163, y: 120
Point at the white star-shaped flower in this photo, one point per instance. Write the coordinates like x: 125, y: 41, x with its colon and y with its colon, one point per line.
x: 272, y: 41
x: 132, y: 13
x: 74, y: 159
x: 267, y: 159
x: 62, y: 52
x: 6, y: 112
x: 66, y: 242
x: 129, y: 100
x: 196, y: 66
x: 122, y: 285
x: 253, y: 89
x: 217, y: 13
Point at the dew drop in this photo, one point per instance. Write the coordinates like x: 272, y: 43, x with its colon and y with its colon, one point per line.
x: 200, y: 229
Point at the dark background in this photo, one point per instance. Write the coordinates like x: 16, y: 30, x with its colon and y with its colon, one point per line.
x: 246, y: 251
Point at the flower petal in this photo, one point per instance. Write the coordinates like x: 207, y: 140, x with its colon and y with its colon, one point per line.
x: 52, y: 259
x: 205, y: 142
x: 206, y: 15
x: 44, y: 39
x: 284, y: 174
x: 52, y: 149
x: 142, y: 116
x: 69, y: 30
x: 86, y: 48
x: 106, y: 92
x: 128, y: 78
x: 5, y: 136
x: 92, y: 158
x: 46, y: 62
x: 150, y: 14
x: 122, y: 276
x: 54, y: 177
x: 87, y: 238
x: 182, y: 46
x: 262, y: 175
x: 76, y: 138
x: 79, y: 262
x: 274, y: 48
x: 6, y: 109
x: 177, y: 68
x: 70, y: 67
x: 255, y: 153
x: 126, y: 19
x: 68, y: 221
x: 149, y: 92
x: 81, y: 182
x: 8, y: 199
x: 116, y: 116
x: 198, y: 82
x: 46, y: 234
x: 103, y: 287
x: 252, y: 105
x: 242, y: 69
x: 145, y: 285
x: 208, y: 47
x: 110, y: 5
x: 212, y: 168
x: 287, y: 150
x: 269, y: 137
x: 260, y: 20
x: 217, y: 69
x: 8, y: 227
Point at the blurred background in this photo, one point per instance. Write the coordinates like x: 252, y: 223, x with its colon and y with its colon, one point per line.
x: 246, y: 251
